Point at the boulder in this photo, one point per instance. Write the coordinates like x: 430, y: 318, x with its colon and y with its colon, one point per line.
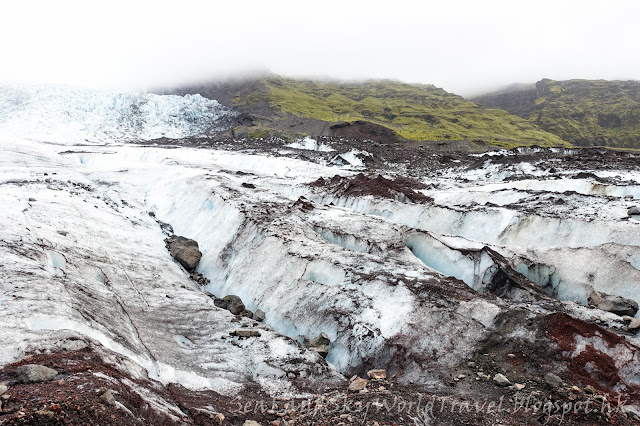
x: 320, y: 345
x: 221, y: 302
x: 634, y: 324
x: 231, y: 303
x: 245, y: 333
x: 259, y: 315
x: 377, y: 374
x: 246, y: 313
x: 32, y: 373
x: 186, y: 252
x: 108, y: 398
x: 501, y: 380
x: 614, y: 304
x: 357, y: 385
x: 633, y: 211
x: 552, y: 380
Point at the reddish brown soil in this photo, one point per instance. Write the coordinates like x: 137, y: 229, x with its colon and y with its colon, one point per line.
x: 401, y: 189
x: 591, y: 366
x: 74, y: 397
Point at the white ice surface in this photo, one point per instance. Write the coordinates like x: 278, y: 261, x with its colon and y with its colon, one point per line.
x: 307, y: 279
x: 68, y: 115
x: 356, y: 270
x: 84, y: 259
x: 310, y: 144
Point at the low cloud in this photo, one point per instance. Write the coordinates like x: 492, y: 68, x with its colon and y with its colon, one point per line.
x: 463, y: 46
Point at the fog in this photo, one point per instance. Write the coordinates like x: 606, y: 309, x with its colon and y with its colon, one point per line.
x: 463, y: 46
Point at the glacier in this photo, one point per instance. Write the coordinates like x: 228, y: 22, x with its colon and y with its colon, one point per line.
x: 70, y: 115
x: 485, y: 263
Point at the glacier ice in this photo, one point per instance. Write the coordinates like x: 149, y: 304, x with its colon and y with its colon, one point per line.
x: 142, y: 300
x: 310, y: 144
x: 373, y: 274
x: 361, y: 300
x: 69, y: 115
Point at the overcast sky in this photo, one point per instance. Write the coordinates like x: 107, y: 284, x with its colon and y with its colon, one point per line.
x: 462, y: 46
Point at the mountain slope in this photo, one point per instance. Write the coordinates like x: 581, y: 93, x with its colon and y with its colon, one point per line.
x: 378, y: 109
x: 583, y: 112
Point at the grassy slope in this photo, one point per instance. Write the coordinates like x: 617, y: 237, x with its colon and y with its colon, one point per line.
x: 415, y: 112
x: 590, y: 112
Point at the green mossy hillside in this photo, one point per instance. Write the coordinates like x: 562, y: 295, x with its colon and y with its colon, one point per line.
x: 583, y: 112
x: 590, y: 112
x: 412, y: 111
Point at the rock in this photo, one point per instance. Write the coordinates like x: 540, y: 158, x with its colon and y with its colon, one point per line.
x: 259, y: 315
x: 634, y: 324
x: 236, y: 306
x: 32, y: 200
x: 500, y: 380
x: 471, y: 364
x: 108, y: 398
x: 244, y: 333
x: 320, y: 345
x: 32, y: 373
x: 357, y: 385
x: 552, y: 380
x: 246, y: 313
x: 250, y: 423
x: 231, y: 303
x: 518, y: 386
x: 323, y: 350
x: 3, y: 388
x: 248, y: 185
x: 611, y: 303
x: 322, y: 339
x: 186, y: 252
x: 377, y: 374
x: 221, y: 303
x: 633, y: 211
x: 631, y: 411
